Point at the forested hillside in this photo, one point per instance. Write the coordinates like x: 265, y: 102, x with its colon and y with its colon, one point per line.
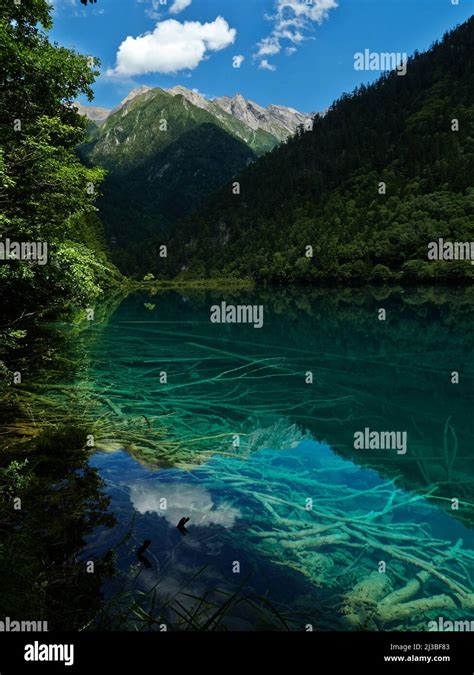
x: 163, y: 156
x: 389, y: 169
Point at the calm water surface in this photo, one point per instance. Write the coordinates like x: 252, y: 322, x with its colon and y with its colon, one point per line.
x: 250, y: 433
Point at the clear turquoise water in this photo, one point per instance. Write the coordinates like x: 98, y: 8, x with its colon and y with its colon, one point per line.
x: 296, y: 443
x: 222, y: 519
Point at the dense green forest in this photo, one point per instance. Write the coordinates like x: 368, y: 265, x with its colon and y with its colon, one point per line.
x: 47, y: 196
x: 323, y: 187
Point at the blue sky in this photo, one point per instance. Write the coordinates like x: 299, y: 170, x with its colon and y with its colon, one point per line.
x: 295, y: 54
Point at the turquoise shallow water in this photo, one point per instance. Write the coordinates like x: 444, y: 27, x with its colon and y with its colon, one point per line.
x: 283, y: 509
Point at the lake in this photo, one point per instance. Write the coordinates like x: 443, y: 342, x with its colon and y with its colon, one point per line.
x: 250, y: 433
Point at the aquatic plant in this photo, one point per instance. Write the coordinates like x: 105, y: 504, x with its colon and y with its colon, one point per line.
x: 184, y: 610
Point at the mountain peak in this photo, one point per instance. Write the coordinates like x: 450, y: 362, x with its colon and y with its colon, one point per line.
x: 93, y: 113
x: 138, y: 91
x: 192, y: 95
x: 275, y: 119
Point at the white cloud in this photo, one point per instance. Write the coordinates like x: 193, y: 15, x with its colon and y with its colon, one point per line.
x: 182, y: 500
x: 179, y: 5
x: 269, y: 46
x: 154, y: 11
x: 293, y: 20
x: 265, y: 65
x: 157, y: 8
x: 238, y: 60
x: 317, y: 10
x: 172, y: 46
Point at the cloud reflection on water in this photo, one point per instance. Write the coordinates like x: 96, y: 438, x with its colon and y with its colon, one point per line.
x: 182, y: 500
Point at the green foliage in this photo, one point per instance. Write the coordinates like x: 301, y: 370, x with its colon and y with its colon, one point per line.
x: 46, y: 194
x: 14, y: 479
x: 380, y: 273
x: 322, y: 188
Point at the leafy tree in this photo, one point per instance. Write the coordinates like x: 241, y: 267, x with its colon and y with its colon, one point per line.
x: 46, y: 194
